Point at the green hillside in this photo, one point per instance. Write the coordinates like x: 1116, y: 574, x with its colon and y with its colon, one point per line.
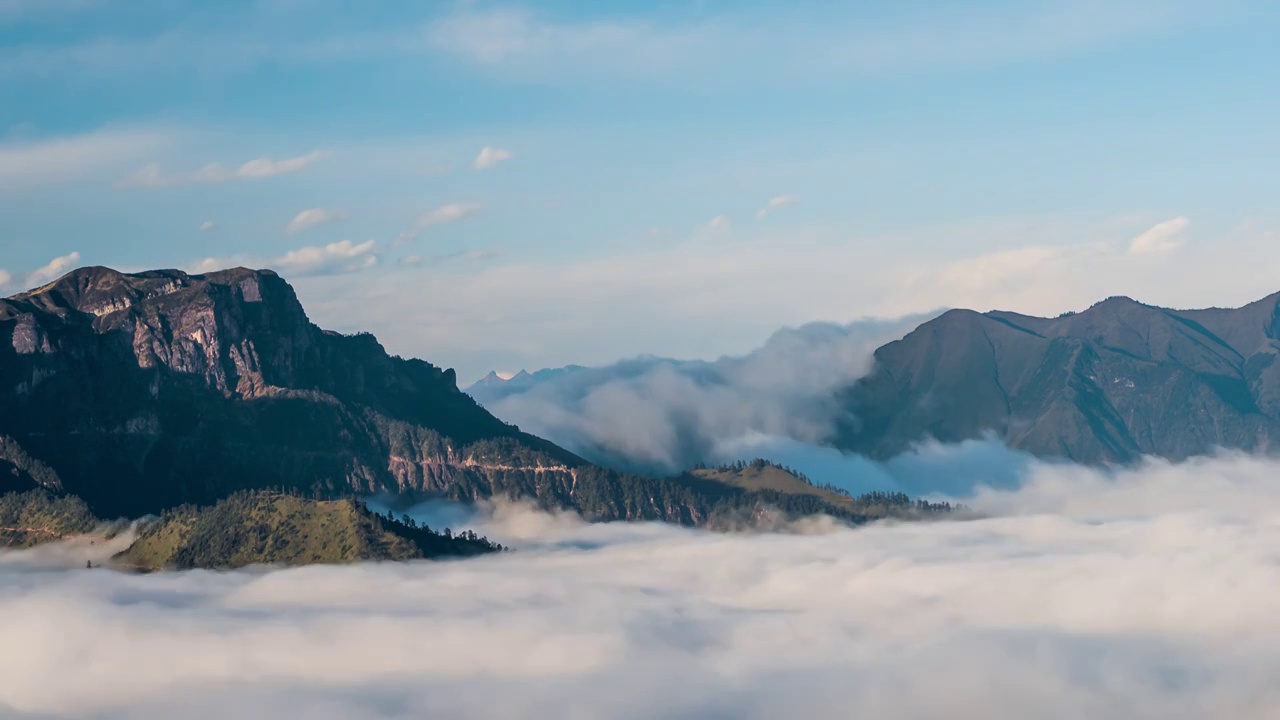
x: 252, y: 528
x: 37, y: 516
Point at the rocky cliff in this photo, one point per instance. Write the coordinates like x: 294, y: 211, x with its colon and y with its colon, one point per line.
x: 144, y: 391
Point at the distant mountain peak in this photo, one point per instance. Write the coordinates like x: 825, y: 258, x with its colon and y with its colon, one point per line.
x: 1115, y: 382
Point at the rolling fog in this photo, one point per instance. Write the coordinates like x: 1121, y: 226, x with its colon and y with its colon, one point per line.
x: 1144, y: 593
x: 656, y: 415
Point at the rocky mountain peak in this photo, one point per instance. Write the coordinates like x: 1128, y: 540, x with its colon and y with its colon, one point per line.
x: 1117, y: 381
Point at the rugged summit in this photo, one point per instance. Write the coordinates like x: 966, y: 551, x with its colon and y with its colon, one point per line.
x: 1110, y: 384
x: 143, y: 391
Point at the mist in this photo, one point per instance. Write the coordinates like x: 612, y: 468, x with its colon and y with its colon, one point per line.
x: 1138, y: 593
x: 657, y: 415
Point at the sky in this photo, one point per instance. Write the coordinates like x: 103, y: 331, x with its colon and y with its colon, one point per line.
x: 506, y: 185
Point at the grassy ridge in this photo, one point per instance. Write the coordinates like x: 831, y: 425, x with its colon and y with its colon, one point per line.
x: 30, y: 518
x: 251, y: 528
x: 248, y: 528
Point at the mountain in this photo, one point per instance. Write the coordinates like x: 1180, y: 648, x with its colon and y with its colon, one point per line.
x: 146, y: 391
x: 37, y: 516
x: 493, y: 387
x: 254, y: 528
x: 141, y: 393
x: 247, y: 528
x: 1110, y: 384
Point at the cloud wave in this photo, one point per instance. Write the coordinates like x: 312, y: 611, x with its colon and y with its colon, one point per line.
x: 1142, y: 594
x: 662, y: 415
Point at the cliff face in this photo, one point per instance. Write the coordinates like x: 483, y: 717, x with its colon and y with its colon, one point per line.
x: 1110, y: 384
x: 144, y: 391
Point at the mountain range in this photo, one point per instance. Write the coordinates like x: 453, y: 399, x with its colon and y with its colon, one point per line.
x: 142, y: 393
x: 162, y: 392
x: 1113, y: 383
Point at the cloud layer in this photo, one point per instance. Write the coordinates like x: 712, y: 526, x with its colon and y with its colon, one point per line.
x: 309, y: 218
x: 1145, y: 594
x: 663, y: 415
x: 151, y: 176
x: 490, y: 156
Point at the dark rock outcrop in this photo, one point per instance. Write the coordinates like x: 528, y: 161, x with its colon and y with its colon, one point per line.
x: 144, y: 391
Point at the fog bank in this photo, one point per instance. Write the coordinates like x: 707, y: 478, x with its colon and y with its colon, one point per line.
x: 659, y: 415
x: 1146, y: 593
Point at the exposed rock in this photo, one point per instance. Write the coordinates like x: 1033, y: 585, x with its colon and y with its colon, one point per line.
x: 150, y: 390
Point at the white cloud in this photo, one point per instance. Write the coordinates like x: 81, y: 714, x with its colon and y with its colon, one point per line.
x: 719, y: 223
x: 475, y: 255
x: 207, y: 225
x: 76, y: 157
x: 338, y: 258
x: 265, y: 167
x: 450, y: 213
x: 55, y: 269
x: 490, y: 156
x: 776, y: 203
x: 660, y: 415
x: 151, y: 176
x: 5, y: 279
x: 1134, y: 595
x: 443, y: 215
x: 1163, y: 237
x: 307, y: 219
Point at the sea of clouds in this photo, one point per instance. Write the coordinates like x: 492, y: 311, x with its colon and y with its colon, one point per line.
x: 658, y: 415
x: 1140, y: 593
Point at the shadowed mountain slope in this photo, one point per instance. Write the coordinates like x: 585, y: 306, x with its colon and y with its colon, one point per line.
x: 1110, y: 384
x: 145, y: 392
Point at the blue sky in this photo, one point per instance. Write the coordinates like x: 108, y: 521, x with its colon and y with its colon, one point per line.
x: 677, y: 178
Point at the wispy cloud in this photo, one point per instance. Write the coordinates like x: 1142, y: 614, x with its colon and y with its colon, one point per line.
x: 523, y: 43
x: 490, y: 156
x: 207, y: 225
x: 443, y: 215
x: 310, y: 218
x: 475, y: 255
x: 734, y: 46
x: 5, y: 279
x: 53, y: 270
x: 338, y: 258
x: 73, y: 158
x: 719, y: 223
x: 776, y: 203
x: 1161, y: 238
x: 152, y: 176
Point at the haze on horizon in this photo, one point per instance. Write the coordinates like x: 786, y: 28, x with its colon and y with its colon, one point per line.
x: 506, y: 185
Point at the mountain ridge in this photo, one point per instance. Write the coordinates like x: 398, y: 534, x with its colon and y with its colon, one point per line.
x: 143, y: 392
x: 1101, y: 385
